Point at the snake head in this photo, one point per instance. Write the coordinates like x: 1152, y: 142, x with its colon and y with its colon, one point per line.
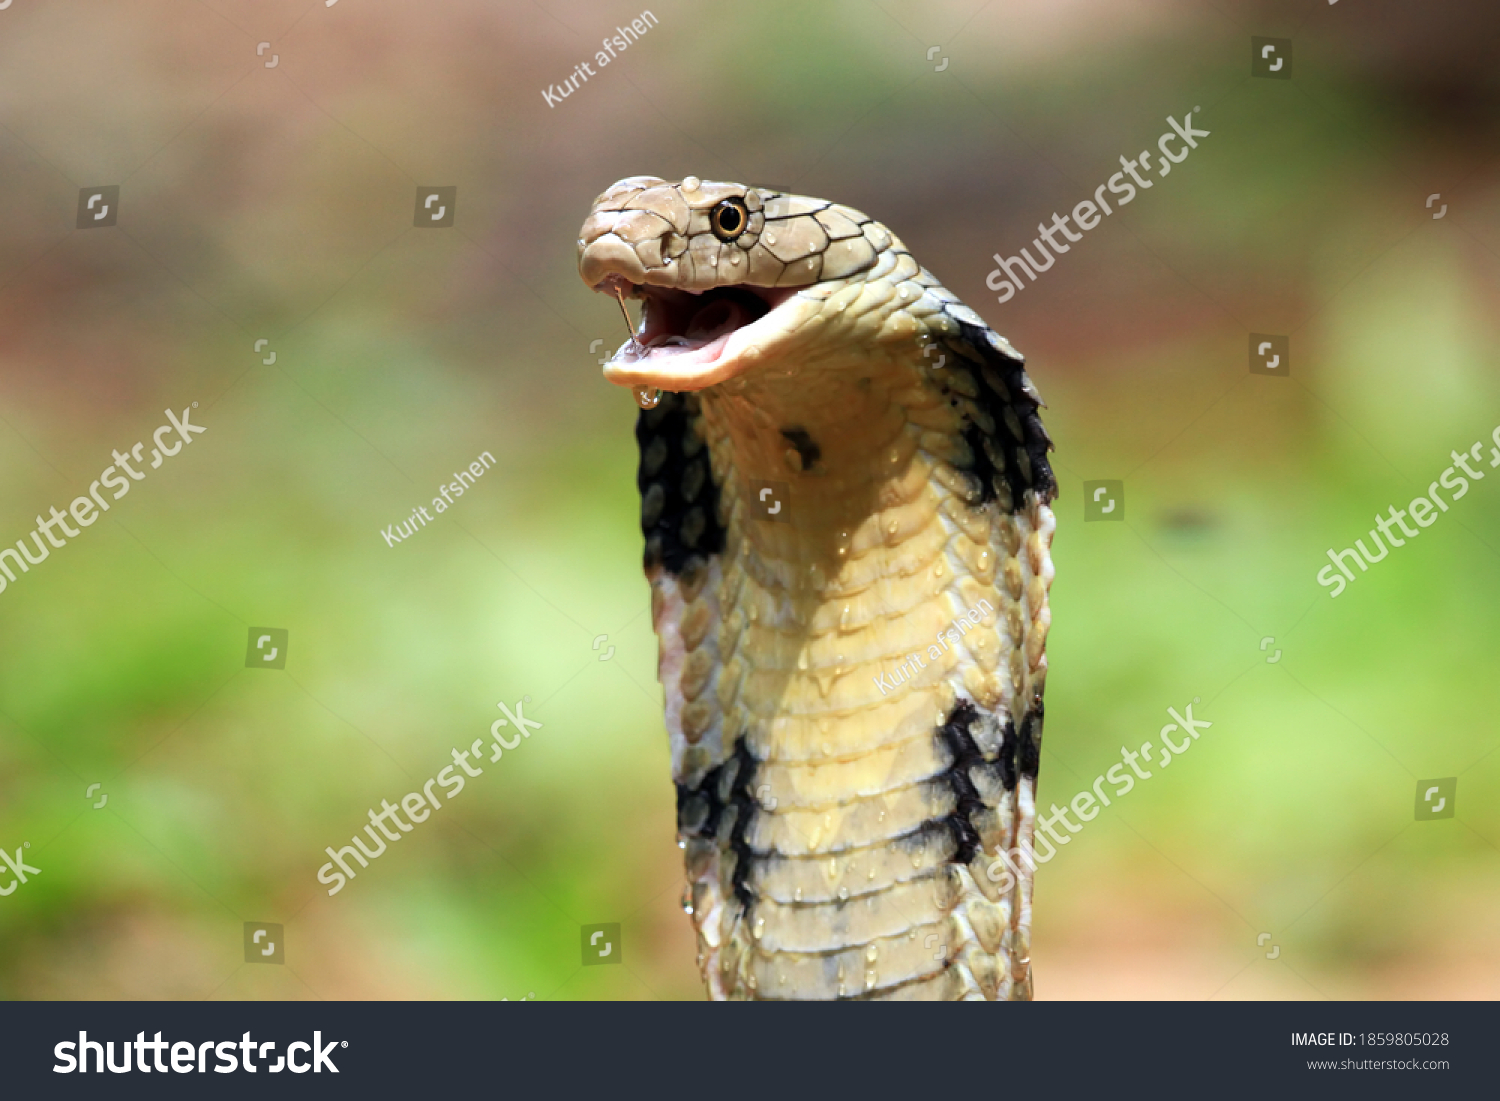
x: 728, y: 275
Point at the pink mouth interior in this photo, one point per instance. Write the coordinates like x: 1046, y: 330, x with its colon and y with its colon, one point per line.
x: 681, y: 330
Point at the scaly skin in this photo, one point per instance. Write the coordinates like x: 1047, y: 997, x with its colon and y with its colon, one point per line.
x: 842, y: 802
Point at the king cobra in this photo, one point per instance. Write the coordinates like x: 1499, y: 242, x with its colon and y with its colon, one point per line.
x: 845, y: 499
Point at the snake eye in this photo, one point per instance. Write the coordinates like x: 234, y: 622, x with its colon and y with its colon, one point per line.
x: 729, y: 219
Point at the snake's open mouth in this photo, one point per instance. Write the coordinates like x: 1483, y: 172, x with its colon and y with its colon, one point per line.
x: 687, y: 340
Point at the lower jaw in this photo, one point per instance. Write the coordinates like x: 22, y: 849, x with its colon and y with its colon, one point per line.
x: 676, y: 370
x: 729, y: 326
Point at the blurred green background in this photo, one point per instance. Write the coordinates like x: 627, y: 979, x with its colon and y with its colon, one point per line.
x: 277, y: 204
